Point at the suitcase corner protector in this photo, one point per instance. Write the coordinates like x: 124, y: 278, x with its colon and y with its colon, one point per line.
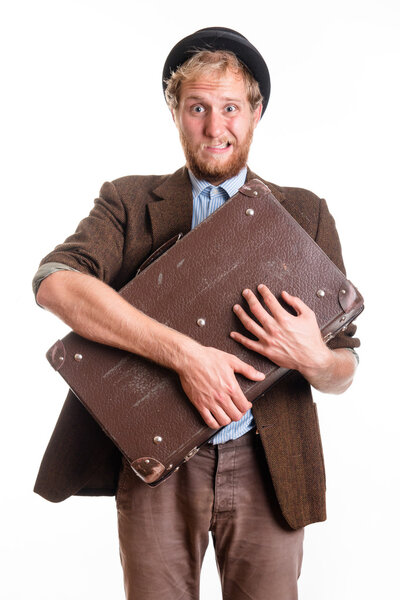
x: 56, y: 355
x: 349, y: 297
x: 148, y: 469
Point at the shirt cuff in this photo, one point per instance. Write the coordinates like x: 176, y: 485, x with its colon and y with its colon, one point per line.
x: 46, y: 270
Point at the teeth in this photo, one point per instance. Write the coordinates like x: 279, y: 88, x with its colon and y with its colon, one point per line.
x: 225, y: 145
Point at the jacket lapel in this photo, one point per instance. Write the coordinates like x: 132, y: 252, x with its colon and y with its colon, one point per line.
x: 171, y: 211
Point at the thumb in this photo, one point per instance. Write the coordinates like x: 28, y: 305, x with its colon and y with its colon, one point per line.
x: 247, y: 370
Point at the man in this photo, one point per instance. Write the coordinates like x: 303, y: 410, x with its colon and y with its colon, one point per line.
x: 261, y: 480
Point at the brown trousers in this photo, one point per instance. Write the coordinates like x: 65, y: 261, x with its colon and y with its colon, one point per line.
x: 224, y: 489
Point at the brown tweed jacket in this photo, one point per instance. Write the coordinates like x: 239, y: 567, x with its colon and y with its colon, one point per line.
x: 132, y: 217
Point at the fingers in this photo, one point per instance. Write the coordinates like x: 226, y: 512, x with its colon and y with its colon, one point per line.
x: 256, y: 308
x: 248, y: 322
x: 240, y: 405
x: 209, y: 419
x: 271, y: 302
x: 277, y: 311
x: 225, y: 412
x: 209, y: 381
x: 295, y: 303
x: 246, y: 342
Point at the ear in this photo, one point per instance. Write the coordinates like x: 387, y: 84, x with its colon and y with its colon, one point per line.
x: 173, y: 115
x: 257, y: 115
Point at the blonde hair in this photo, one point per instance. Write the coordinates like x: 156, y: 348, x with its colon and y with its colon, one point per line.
x: 210, y: 62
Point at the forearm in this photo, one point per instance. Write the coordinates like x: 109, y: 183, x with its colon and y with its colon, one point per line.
x: 97, y: 312
x: 334, y: 373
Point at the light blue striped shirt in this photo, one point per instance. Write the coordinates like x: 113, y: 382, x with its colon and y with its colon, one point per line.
x: 206, y: 199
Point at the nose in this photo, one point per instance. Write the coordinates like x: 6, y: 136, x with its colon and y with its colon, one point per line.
x: 214, y: 124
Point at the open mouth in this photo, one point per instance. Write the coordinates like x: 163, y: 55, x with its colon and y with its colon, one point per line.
x: 218, y: 147
x: 221, y: 146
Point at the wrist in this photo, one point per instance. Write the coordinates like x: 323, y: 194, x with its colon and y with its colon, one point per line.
x: 179, y: 351
x: 321, y: 364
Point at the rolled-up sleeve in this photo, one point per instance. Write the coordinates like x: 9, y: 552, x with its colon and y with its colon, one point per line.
x: 45, y: 270
x: 96, y: 248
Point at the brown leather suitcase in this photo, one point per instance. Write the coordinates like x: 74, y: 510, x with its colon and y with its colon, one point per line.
x: 192, y: 287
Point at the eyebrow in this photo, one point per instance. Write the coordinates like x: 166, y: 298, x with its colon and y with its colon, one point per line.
x: 225, y: 99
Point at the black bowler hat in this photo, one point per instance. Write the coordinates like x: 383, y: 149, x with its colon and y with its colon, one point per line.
x: 220, y: 38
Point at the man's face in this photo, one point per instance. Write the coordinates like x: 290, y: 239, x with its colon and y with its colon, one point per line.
x: 215, y: 124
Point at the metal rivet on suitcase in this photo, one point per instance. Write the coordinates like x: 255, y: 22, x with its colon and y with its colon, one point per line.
x: 201, y: 322
x: 343, y: 292
x: 250, y: 212
x: 78, y: 357
x: 255, y: 193
x: 157, y: 439
x: 321, y: 293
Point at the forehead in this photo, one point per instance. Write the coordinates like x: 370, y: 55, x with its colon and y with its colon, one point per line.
x: 228, y: 85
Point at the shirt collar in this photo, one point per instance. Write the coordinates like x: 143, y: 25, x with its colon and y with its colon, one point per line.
x: 231, y: 186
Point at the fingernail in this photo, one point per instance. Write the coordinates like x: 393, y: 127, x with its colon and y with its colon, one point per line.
x: 245, y: 292
x: 236, y: 307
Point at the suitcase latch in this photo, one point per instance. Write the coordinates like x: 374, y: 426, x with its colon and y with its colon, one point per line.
x: 191, y: 453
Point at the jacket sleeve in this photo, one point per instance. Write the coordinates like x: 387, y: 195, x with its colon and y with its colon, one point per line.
x: 97, y: 246
x: 328, y: 239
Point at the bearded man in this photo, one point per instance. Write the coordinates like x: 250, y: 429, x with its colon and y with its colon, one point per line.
x: 261, y: 479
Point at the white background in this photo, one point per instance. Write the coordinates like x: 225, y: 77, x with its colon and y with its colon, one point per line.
x: 81, y: 103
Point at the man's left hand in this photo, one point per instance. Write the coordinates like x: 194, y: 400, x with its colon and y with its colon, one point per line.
x: 293, y: 341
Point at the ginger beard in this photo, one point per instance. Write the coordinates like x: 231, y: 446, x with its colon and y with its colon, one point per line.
x: 216, y: 169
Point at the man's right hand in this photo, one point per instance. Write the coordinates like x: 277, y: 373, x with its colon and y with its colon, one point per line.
x: 208, y: 378
x: 97, y: 312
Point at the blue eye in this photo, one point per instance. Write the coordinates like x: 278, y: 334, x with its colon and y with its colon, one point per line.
x: 230, y: 108
x: 198, y: 108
